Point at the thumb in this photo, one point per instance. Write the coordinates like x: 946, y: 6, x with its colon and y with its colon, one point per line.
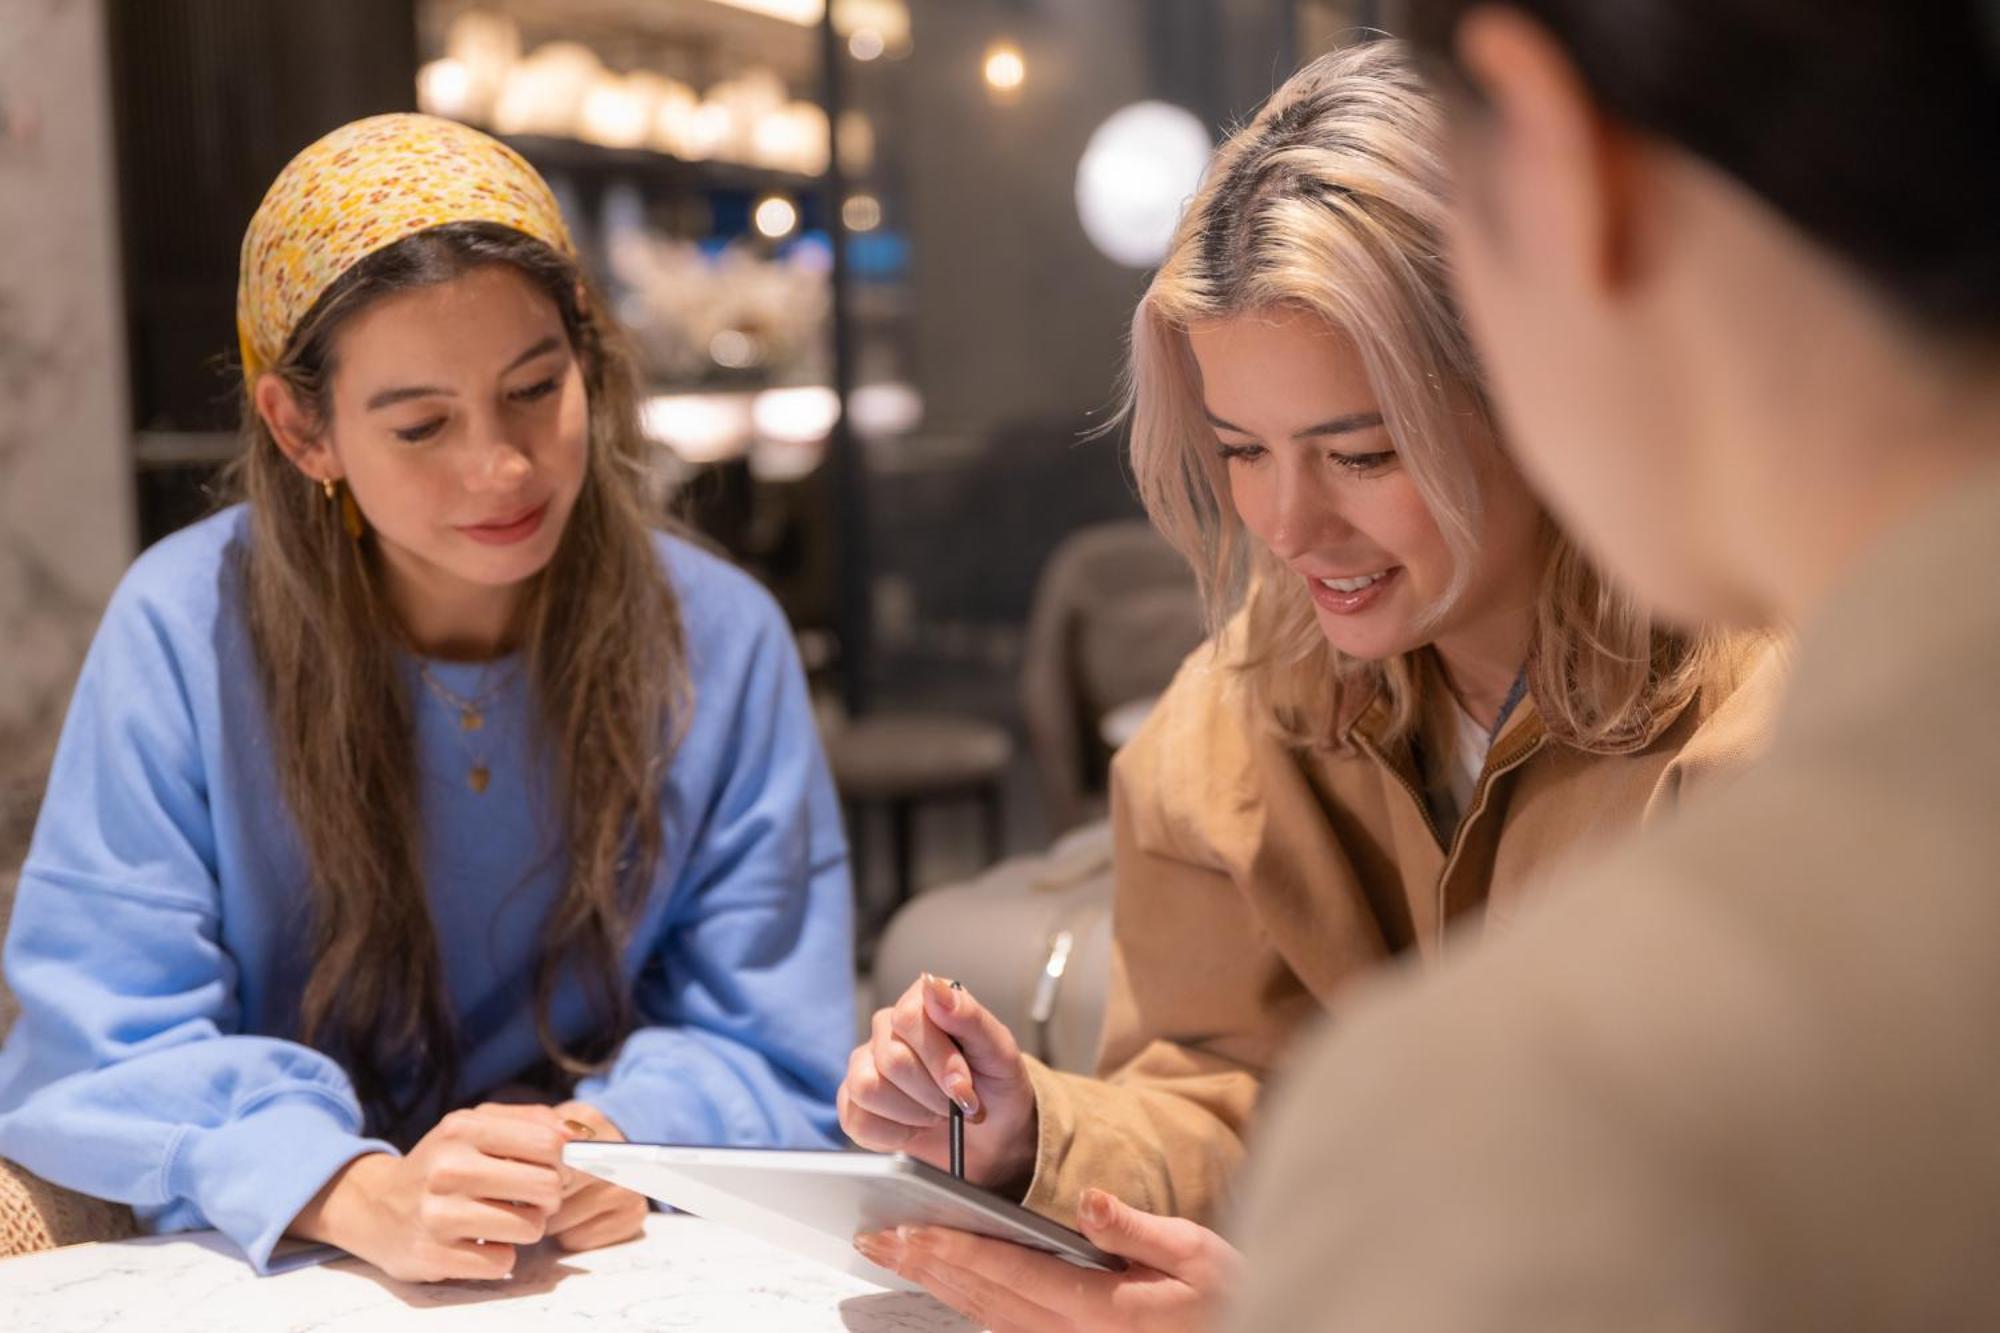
x: 989, y: 1048
x: 1172, y: 1245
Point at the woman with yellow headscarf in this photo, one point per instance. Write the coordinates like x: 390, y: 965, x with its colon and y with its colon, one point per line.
x: 426, y: 774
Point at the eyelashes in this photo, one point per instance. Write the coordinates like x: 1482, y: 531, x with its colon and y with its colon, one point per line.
x: 1363, y: 463
x: 418, y: 434
x: 1359, y: 464
x: 533, y: 393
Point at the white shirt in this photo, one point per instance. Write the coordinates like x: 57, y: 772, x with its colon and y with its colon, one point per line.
x: 1469, y: 747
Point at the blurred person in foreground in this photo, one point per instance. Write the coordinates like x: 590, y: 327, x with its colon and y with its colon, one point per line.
x: 1419, y: 697
x: 1734, y: 269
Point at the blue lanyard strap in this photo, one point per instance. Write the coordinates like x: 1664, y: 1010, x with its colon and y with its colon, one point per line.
x: 1514, y: 697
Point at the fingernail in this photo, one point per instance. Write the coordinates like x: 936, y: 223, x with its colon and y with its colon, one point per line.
x: 577, y: 1129
x: 879, y: 1248
x: 961, y: 1093
x: 1096, y: 1208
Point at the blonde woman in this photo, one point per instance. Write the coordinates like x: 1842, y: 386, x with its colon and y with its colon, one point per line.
x: 429, y: 772
x: 1419, y: 696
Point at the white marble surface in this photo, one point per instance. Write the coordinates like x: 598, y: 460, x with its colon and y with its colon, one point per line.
x: 685, y: 1274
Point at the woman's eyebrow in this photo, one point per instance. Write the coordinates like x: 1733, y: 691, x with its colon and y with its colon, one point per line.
x: 542, y: 348
x: 1346, y: 425
x: 390, y: 397
x: 1342, y: 425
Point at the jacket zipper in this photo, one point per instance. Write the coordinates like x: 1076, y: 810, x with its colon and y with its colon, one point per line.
x: 1478, y: 807
x: 1487, y: 781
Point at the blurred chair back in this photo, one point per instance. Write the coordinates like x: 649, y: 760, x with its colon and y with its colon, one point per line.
x: 1031, y: 938
x: 1115, y: 611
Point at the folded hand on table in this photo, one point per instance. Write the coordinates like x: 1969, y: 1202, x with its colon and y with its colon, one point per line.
x: 483, y: 1182
x: 595, y: 1212
x: 1177, y: 1276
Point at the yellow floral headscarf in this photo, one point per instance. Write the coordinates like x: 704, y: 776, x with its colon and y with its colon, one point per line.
x: 364, y: 186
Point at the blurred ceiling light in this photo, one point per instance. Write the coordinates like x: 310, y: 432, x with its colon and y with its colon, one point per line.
x: 487, y: 46
x: 544, y: 94
x: 854, y: 134
x: 799, y: 415
x: 861, y: 212
x: 1137, y: 172
x: 885, y: 22
x: 707, y: 132
x: 885, y: 409
x: 801, y: 12
x: 616, y: 112
x: 733, y: 349
x: 782, y: 461
x: 700, y: 427
x: 792, y: 138
x: 1005, y: 70
x: 775, y: 217
x: 444, y: 88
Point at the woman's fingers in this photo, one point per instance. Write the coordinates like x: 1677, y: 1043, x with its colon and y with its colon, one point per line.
x: 534, y: 1140
x: 1173, y: 1245
x: 944, y: 1065
x: 470, y: 1260
x: 593, y: 1199
x: 459, y: 1169
x: 900, y: 1066
x: 622, y: 1221
x: 869, y: 1090
x: 988, y: 1046
x: 996, y: 1285
x: 874, y: 1132
x: 450, y: 1217
x: 599, y: 1216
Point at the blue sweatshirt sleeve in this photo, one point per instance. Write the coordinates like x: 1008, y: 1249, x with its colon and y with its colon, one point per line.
x: 127, y: 1075
x: 747, y: 991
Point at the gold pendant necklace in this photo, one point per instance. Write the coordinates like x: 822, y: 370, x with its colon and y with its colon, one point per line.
x: 471, y: 719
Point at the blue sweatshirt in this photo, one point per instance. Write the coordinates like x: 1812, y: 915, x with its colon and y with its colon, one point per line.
x: 158, y: 941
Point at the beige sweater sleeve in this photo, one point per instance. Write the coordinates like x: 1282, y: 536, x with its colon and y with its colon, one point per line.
x: 1200, y: 1000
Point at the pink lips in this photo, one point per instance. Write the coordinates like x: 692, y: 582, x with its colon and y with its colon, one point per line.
x: 510, y: 530
x: 1351, y: 603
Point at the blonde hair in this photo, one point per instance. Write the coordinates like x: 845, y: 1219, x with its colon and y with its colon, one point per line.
x: 1332, y: 200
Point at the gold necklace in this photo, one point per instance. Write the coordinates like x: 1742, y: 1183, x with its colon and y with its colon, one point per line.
x: 471, y: 719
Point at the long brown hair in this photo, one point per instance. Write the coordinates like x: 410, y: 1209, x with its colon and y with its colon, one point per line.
x: 601, y: 635
x: 1332, y: 200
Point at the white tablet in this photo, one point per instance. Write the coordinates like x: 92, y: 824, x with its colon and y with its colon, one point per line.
x: 816, y: 1203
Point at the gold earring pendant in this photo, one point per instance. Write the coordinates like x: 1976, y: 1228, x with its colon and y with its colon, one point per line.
x: 350, y: 514
x: 326, y: 485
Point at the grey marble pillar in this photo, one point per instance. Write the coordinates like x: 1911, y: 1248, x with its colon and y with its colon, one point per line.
x: 66, y: 523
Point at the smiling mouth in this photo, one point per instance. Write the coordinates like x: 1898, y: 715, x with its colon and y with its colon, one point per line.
x: 1349, y: 595
x: 506, y: 531
x: 1354, y: 584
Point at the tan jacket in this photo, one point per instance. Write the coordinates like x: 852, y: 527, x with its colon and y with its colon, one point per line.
x: 1255, y: 881
x: 1743, y: 1075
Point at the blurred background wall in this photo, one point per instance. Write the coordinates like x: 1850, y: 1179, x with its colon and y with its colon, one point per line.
x: 66, y: 515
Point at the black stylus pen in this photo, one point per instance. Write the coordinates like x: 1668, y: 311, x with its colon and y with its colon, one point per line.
x: 957, y: 1128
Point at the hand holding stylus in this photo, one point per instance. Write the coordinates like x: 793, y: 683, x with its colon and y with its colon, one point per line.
x: 934, y: 1049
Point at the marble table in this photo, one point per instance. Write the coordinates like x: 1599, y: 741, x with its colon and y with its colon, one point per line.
x: 683, y: 1274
